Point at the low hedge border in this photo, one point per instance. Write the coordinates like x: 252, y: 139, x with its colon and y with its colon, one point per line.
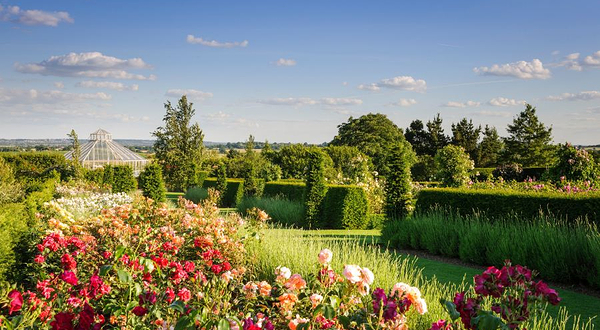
x: 290, y: 190
x: 233, y: 192
x: 500, y: 203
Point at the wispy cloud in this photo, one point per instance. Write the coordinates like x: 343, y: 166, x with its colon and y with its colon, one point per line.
x: 34, y: 17
x: 90, y: 65
x: 487, y: 113
x: 117, y: 86
x: 406, y: 83
x: 521, y: 70
x: 192, y: 94
x: 581, y: 96
x: 303, y: 101
x: 191, y: 39
x: 403, y: 103
x: 285, y: 62
x: 505, y: 102
x: 454, y: 104
x: 28, y: 96
x: 575, y: 62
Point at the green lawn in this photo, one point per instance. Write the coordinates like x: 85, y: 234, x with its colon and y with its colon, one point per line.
x: 577, y: 303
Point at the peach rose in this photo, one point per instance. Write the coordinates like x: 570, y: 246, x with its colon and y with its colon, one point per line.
x: 316, y: 299
x: 352, y: 273
x: 400, y: 288
x: 295, y: 282
x: 421, y: 306
x: 264, y: 288
x: 325, y: 256
x: 367, y: 276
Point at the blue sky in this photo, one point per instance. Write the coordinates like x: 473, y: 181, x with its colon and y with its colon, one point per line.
x: 293, y: 71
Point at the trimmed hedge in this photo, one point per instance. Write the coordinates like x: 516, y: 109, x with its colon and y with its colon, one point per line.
x: 290, y: 190
x: 481, y: 174
x: 345, y: 207
x: 233, y: 193
x: 123, y: 179
x: 500, y: 203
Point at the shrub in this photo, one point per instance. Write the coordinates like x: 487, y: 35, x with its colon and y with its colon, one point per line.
x: 482, y: 174
x: 424, y: 169
x: 123, y: 179
x: 398, y: 189
x: 108, y: 177
x: 573, y: 164
x: 291, y: 190
x: 95, y: 175
x: 345, y: 207
x: 282, y: 211
x: 315, y: 189
x: 233, y: 193
x: 196, y: 194
x: 13, y: 225
x: 151, y: 182
x: 509, y: 172
x: 10, y: 190
x: 221, y: 183
x: 453, y: 166
x: 501, y: 203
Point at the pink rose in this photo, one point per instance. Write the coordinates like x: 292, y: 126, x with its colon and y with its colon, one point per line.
x: 352, y: 273
x: 325, y: 256
x: 69, y: 277
x: 399, y: 289
x: 367, y: 276
x: 421, y: 306
x: 316, y: 299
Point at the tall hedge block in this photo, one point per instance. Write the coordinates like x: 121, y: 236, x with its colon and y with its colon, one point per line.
x: 151, y: 182
x: 292, y: 191
x: 123, y: 180
x: 233, y: 193
x: 500, y: 204
x: 345, y: 207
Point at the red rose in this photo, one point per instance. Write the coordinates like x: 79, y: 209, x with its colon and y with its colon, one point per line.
x: 139, y: 311
x: 62, y: 321
x: 16, y: 301
x: 69, y: 277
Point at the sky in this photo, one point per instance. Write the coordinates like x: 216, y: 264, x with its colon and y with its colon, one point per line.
x: 292, y: 71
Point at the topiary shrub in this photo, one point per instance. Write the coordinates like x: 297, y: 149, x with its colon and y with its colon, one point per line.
x: 573, y: 164
x: 398, y: 189
x: 453, y: 166
x: 196, y: 194
x: 108, y: 175
x: 151, y: 182
x: 124, y: 181
x: 315, y: 189
x: 345, y: 207
x: 95, y: 175
x: 233, y: 193
x: 290, y: 190
x: 509, y: 172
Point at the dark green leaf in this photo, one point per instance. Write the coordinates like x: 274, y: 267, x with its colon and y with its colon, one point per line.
x: 183, y: 323
x: 178, y: 305
x: 223, y: 325
x: 105, y: 269
x: 124, y: 276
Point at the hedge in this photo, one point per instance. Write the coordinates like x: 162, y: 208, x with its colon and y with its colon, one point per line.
x: 233, y: 193
x: 291, y: 190
x: 345, y: 207
x: 480, y: 174
x: 500, y: 203
x: 123, y: 180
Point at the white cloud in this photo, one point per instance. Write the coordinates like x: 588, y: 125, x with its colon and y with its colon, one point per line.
x: 593, y: 60
x: 404, y: 103
x: 213, y: 43
x: 406, y: 83
x: 59, y: 84
x: 487, y: 113
x: 504, y: 102
x: 285, y: 62
x: 34, y: 17
x: 303, y: 101
x: 369, y: 87
x: 522, y: 70
x: 581, y: 96
x: 216, y: 116
x: 22, y: 96
x: 108, y: 85
x: 91, y: 65
x: 192, y: 94
x: 556, y: 52
x: 454, y: 104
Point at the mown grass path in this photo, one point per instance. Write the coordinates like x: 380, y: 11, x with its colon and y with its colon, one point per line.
x: 576, y: 303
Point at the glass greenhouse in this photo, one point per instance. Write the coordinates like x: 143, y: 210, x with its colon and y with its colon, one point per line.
x: 101, y: 150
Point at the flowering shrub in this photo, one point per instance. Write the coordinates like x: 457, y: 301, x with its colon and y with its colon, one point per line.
x: 91, y: 204
x: 574, y: 164
x: 513, y: 295
x: 143, y: 265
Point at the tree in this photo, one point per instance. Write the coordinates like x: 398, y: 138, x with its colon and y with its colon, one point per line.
x: 151, y: 182
x: 76, y: 153
x: 529, y: 142
x: 221, y: 184
x: 124, y: 181
x: 490, y: 148
x: 453, y: 166
x: 178, y: 145
x: 251, y: 160
x: 466, y: 135
x: 315, y: 189
x: 373, y: 134
x: 398, y: 189
x: 436, y: 139
x: 416, y: 135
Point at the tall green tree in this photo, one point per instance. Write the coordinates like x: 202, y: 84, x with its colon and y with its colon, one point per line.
x: 76, y: 154
x: 373, y: 134
x: 465, y: 134
x: 529, y: 142
x: 436, y: 139
x: 179, y: 145
x: 489, y: 149
x: 315, y: 189
x: 398, y: 189
x: 416, y: 135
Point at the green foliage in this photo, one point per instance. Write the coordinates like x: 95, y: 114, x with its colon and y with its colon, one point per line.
x: 96, y: 175
x: 196, y: 194
x: 281, y: 210
x: 436, y: 139
x: 466, y: 135
x: 293, y: 161
x: 453, y: 166
x: 179, y: 145
x: 221, y: 184
x: 509, y: 172
x: 315, y: 188
x: 345, y: 207
x: 398, y: 190
x: 502, y: 203
x: 529, y: 141
x: 480, y: 174
x: 76, y: 154
x: 574, y: 164
x: 373, y: 134
x: 151, y: 182
x: 562, y: 252
x: 31, y: 169
x: 124, y: 181
x: 108, y: 175
x: 416, y: 135
x: 10, y: 190
x: 349, y: 162
x: 293, y: 191
x: 233, y: 193
x: 13, y: 225
x: 490, y: 148
x: 424, y: 169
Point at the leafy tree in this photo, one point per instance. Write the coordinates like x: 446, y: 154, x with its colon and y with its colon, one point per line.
x: 349, y: 163
x: 178, y: 145
x: 398, y: 190
x: 466, y: 135
x: 436, y: 139
x: 490, y: 148
x: 151, y: 182
x: 124, y: 181
x: 416, y: 135
x: 251, y: 164
x: 453, y: 166
x: 574, y: 164
x: 373, y: 134
x: 267, y: 152
x: 424, y: 169
x: 529, y: 142
x: 76, y: 154
x: 315, y: 189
